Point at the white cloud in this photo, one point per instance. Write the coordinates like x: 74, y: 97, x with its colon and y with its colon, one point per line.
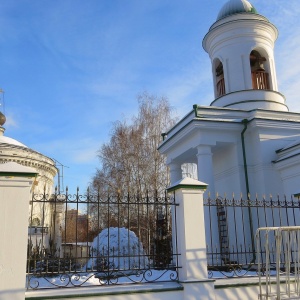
x: 69, y: 150
x: 11, y: 122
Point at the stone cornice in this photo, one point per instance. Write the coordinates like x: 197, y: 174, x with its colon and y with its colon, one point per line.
x: 274, y: 123
x: 30, y: 163
x: 216, y: 119
x: 197, y: 124
x: 221, y: 28
x: 220, y: 113
x: 24, y: 150
x: 27, y: 157
x: 287, y: 162
x: 239, y: 17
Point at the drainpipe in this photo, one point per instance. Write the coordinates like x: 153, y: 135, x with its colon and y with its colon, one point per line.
x: 164, y: 136
x: 245, y: 122
x: 195, y: 108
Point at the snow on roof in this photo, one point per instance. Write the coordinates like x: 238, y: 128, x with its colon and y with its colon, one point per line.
x: 13, y: 167
x: 187, y: 181
x: 8, y: 140
x: 236, y: 6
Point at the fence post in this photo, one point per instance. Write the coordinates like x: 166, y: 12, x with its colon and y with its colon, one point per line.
x: 15, y: 188
x: 191, y: 241
x: 58, y: 210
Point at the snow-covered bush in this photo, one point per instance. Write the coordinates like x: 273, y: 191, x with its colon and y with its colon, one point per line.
x: 118, y: 249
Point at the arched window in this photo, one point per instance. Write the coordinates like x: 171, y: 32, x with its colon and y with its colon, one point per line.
x: 260, y: 78
x: 220, y: 81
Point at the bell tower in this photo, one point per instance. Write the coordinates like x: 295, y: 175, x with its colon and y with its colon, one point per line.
x: 241, y: 48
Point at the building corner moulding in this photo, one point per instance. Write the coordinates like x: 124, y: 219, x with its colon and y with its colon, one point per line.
x: 188, y: 183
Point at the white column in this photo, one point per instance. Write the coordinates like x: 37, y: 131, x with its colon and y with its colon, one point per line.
x: 191, y: 243
x: 205, y: 167
x: 175, y: 172
x: 57, y: 211
x: 15, y: 194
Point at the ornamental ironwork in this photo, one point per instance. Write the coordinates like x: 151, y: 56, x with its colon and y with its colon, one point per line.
x: 231, y: 225
x: 93, y: 239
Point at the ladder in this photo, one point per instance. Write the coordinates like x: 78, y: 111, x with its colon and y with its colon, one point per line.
x: 223, y: 232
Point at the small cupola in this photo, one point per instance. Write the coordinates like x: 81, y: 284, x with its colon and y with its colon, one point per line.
x: 241, y: 48
x: 236, y: 7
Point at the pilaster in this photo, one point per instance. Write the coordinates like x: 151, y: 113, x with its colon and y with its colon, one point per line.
x: 15, y: 189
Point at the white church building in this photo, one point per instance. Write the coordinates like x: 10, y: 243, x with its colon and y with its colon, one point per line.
x: 40, y: 215
x: 246, y: 140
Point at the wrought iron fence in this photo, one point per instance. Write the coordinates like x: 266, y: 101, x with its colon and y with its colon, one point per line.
x: 230, y: 230
x: 96, y: 240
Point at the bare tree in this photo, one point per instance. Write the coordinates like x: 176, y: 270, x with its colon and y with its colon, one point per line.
x: 130, y: 162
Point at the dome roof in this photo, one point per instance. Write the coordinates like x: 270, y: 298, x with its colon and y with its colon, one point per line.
x: 2, y: 119
x: 5, y: 139
x: 232, y: 7
x: 8, y: 140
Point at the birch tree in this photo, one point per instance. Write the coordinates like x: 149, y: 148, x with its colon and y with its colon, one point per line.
x: 130, y: 161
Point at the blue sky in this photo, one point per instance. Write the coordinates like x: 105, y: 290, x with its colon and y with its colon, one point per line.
x: 69, y: 68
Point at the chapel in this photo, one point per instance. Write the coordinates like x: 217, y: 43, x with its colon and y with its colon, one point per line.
x: 246, y: 141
